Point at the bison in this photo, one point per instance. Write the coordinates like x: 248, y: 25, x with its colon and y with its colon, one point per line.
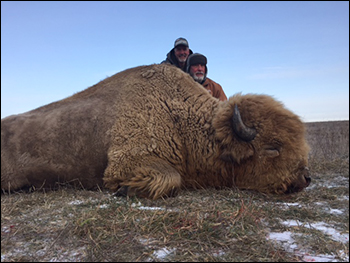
x: 150, y: 131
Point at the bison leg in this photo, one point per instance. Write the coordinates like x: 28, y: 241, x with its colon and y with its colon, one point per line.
x: 149, y: 179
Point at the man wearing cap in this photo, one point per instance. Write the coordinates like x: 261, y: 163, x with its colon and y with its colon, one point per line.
x: 197, y: 68
x: 179, y: 54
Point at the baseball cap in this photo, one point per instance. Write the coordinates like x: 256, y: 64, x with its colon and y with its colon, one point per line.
x: 181, y: 41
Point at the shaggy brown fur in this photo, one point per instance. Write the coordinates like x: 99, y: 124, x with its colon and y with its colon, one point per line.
x: 152, y: 130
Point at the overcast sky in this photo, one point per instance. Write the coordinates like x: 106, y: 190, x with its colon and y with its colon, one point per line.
x: 298, y: 52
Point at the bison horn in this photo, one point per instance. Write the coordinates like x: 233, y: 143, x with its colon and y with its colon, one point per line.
x: 245, y: 133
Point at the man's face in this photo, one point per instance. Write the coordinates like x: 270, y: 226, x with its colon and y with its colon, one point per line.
x: 197, y: 71
x: 181, y: 53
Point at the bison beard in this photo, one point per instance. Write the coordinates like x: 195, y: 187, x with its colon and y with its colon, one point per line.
x: 150, y: 131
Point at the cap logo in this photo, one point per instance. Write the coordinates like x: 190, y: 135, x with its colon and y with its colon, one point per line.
x: 181, y: 41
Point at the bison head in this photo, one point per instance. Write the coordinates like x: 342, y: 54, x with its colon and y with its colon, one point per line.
x: 265, y: 142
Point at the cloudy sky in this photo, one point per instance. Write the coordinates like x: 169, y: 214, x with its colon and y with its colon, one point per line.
x: 298, y: 52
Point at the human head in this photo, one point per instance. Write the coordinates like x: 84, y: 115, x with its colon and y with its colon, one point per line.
x: 181, y: 49
x: 197, y: 67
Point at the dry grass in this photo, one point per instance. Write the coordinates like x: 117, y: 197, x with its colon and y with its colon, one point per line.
x: 329, y: 143
x: 206, y: 225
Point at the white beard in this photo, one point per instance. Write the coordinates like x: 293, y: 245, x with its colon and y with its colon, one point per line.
x: 182, y: 59
x: 198, y: 79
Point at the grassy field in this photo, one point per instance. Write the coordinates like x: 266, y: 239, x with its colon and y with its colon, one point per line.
x: 205, y: 225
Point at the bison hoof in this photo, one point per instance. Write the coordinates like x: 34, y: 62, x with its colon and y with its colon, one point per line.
x: 122, y: 191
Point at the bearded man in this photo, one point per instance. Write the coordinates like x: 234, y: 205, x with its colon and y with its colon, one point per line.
x: 179, y: 54
x: 197, y: 68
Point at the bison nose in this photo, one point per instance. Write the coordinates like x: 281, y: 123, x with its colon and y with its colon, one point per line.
x: 306, y: 176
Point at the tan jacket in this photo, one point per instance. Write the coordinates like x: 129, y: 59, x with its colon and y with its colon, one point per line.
x: 214, y: 89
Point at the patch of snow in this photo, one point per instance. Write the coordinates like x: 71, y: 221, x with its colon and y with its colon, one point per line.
x: 135, y: 205
x: 162, y: 253
x: 336, y: 211
x: 344, y: 197
x: 218, y: 253
x: 151, y: 208
x: 76, y: 202
x: 292, y: 223
x: 335, y: 235
x: 329, y: 210
x: 158, y: 253
x: 139, y: 206
x: 323, y: 227
x: 319, y: 258
x: 147, y: 241
x: 288, y: 243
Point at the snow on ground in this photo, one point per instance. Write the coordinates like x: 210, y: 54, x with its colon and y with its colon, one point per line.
x: 284, y: 239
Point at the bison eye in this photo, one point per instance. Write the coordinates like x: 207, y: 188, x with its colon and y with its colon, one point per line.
x: 270, y: 151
